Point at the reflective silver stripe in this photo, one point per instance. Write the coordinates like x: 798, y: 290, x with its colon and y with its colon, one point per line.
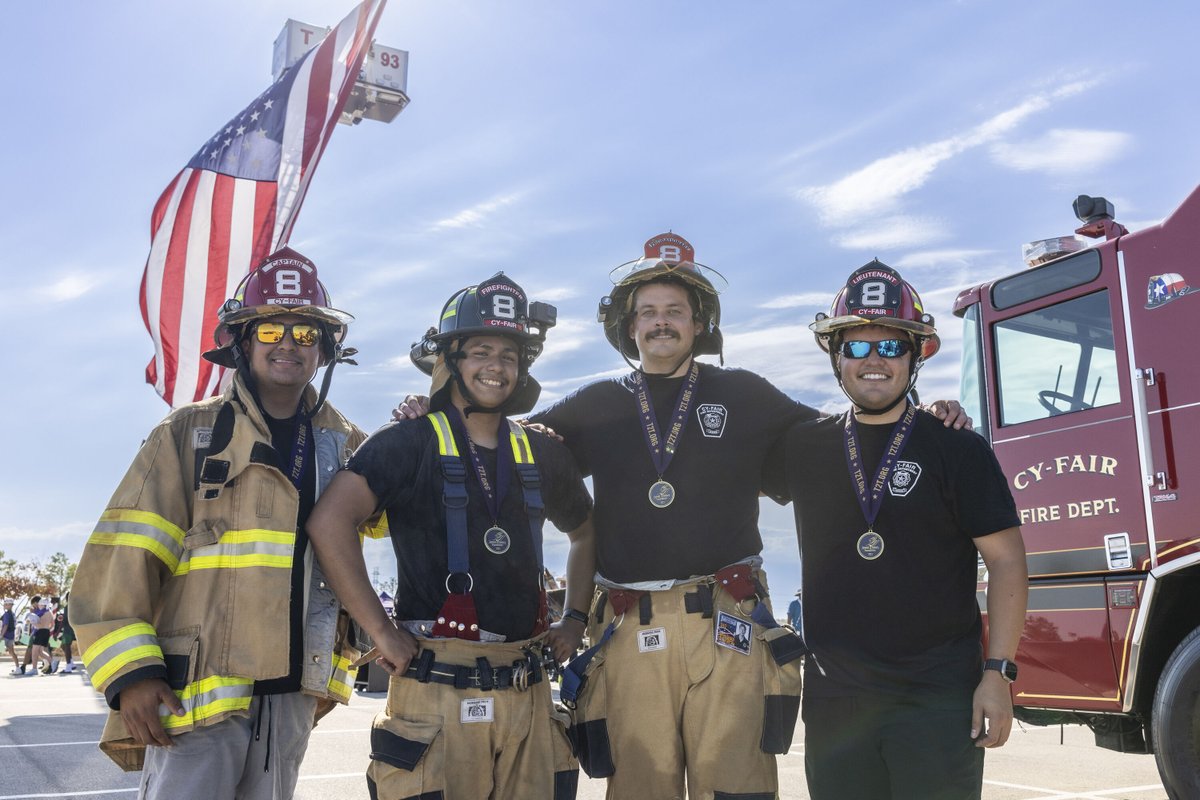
x: 209, y: 698
x: 125, y: 650
x: 139, y: 534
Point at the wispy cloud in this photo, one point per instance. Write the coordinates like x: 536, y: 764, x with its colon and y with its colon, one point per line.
x: 798, y: 300
x: 1062, y: 150
x: 554, y: 294
x: 894, y: 232
x: 875, y: 189
x: 924, y: 259
x: 69, y: 287
x: 477, y: 214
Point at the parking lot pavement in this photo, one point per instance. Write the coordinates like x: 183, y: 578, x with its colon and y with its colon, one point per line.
x: 49, y: 727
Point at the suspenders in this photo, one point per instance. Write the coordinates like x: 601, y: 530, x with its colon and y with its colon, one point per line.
x: 458, y: 617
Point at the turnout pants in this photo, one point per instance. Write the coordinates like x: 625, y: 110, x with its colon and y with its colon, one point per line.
x: 666, y: 705
x: 436, y: 741
x: 240, y: 758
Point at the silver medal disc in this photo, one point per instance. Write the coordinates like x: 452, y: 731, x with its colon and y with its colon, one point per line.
x: 661, y: 494
x: 496, y: 540
x: 870, y: 545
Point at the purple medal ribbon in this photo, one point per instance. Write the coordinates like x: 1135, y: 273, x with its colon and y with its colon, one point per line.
x: 503, y: 463
x: 871, y: 503
x: 662, y: 452
x: 300, y: 448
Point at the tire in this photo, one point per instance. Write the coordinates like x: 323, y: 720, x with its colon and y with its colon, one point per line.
x: 1175, y: 721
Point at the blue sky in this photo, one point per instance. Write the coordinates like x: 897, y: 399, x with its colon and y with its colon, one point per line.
x: 789, y: 142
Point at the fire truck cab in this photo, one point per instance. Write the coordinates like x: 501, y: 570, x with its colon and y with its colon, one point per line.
x: 1080, y: 374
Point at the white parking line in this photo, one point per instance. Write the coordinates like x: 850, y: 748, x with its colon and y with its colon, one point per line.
x: 1058, y: 794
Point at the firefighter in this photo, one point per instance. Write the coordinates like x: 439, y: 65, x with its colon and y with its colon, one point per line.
x: 691, y: 685
x: 202, y: 615
x: 469, y: 712
x: 891, y: 507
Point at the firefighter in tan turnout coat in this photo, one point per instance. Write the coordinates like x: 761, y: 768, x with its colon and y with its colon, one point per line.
x: 204, y: 618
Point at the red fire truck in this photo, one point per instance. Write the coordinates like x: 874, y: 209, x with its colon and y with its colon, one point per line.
x: 1081, y: 374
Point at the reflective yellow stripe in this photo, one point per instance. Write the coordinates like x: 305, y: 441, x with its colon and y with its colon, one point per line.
x: 120, y: 647
x: 258, y: 535
x: 132, y: 528
x: 341, y: 683
x: 234, y: 562
x: 170, y: 559
x: 441, y: 426
x: 144, y: 518
x: 519, y: 440
x: 210, y: 697
x: 238, y: 549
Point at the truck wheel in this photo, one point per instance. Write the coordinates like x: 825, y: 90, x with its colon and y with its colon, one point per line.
x: 1175, y: 721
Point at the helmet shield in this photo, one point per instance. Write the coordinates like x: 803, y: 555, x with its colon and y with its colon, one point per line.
x: 669, y: 258
x: 875, y: 294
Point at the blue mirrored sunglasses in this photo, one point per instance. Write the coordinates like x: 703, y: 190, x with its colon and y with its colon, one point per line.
x: 886, y: 348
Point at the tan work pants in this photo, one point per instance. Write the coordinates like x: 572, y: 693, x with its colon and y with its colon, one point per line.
x: 680, y: 708
x: 471, y: 744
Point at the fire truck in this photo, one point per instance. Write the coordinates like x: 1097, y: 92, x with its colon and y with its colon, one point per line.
x: 1080, y: 373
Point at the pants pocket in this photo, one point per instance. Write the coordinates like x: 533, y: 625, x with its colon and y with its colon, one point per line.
x: 407, y: 757
x: 781, y: 653
x: 566, y: 768
x: 589, y: 724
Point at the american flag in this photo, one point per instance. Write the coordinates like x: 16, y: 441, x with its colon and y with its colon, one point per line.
x: 235, y: 203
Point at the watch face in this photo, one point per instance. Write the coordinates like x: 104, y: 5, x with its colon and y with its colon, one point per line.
x: 1002, y: 665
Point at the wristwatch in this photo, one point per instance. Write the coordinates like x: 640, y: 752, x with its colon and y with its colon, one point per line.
x: 576, y: 615
x: 1006, y: 668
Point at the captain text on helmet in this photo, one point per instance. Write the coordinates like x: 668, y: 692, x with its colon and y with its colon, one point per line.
x: 197, y: 591
x: 891, y: 509
x: 466, y: 492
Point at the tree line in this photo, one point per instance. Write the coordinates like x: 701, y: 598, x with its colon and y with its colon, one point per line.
x: 51, y: 577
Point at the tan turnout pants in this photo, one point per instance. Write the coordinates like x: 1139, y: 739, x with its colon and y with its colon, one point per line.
x: 678, y: 710
x: 470, y: 744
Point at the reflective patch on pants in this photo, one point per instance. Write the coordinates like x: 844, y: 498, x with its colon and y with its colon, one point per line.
x: 782, y: 683
x: 751, y: 796
x: 407, y: 758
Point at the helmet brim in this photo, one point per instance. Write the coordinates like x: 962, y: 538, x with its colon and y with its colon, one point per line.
x: 331, y: 315
x: 645, y: 269
x: 827, y: 327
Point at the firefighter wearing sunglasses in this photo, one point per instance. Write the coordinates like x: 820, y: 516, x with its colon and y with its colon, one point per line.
x: 891, y: 507
x: 205, y: 619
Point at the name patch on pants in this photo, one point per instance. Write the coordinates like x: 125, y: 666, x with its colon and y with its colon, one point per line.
x: 733, y: 633
x: 479, y: 709
x: 652, y: 639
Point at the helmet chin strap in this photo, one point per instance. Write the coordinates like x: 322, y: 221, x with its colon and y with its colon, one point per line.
x: 452, y: 360
x: 914, y: 366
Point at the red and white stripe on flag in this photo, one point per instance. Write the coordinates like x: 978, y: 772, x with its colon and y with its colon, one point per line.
x: 236, y: 202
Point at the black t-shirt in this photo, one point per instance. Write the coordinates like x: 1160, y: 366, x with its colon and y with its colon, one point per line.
x: 906, y: 622
x: 401, y: 465
x: 283, y: 439
x: 734, y: 419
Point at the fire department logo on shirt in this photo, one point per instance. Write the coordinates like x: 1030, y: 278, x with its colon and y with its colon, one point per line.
x: 904, y: 478
x: 712, y: 419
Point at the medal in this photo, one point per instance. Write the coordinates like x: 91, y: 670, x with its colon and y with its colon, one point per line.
x: 870, y: 498
x: 497, y: 540
x: 661, y: 494
x: 870, y: 545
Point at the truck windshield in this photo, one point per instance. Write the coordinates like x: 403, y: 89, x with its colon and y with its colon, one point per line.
x: 1056, y: 360
x: 970, y: 387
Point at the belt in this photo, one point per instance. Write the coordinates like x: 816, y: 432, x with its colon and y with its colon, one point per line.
x: 520, y: 675
x: 737, y: 580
